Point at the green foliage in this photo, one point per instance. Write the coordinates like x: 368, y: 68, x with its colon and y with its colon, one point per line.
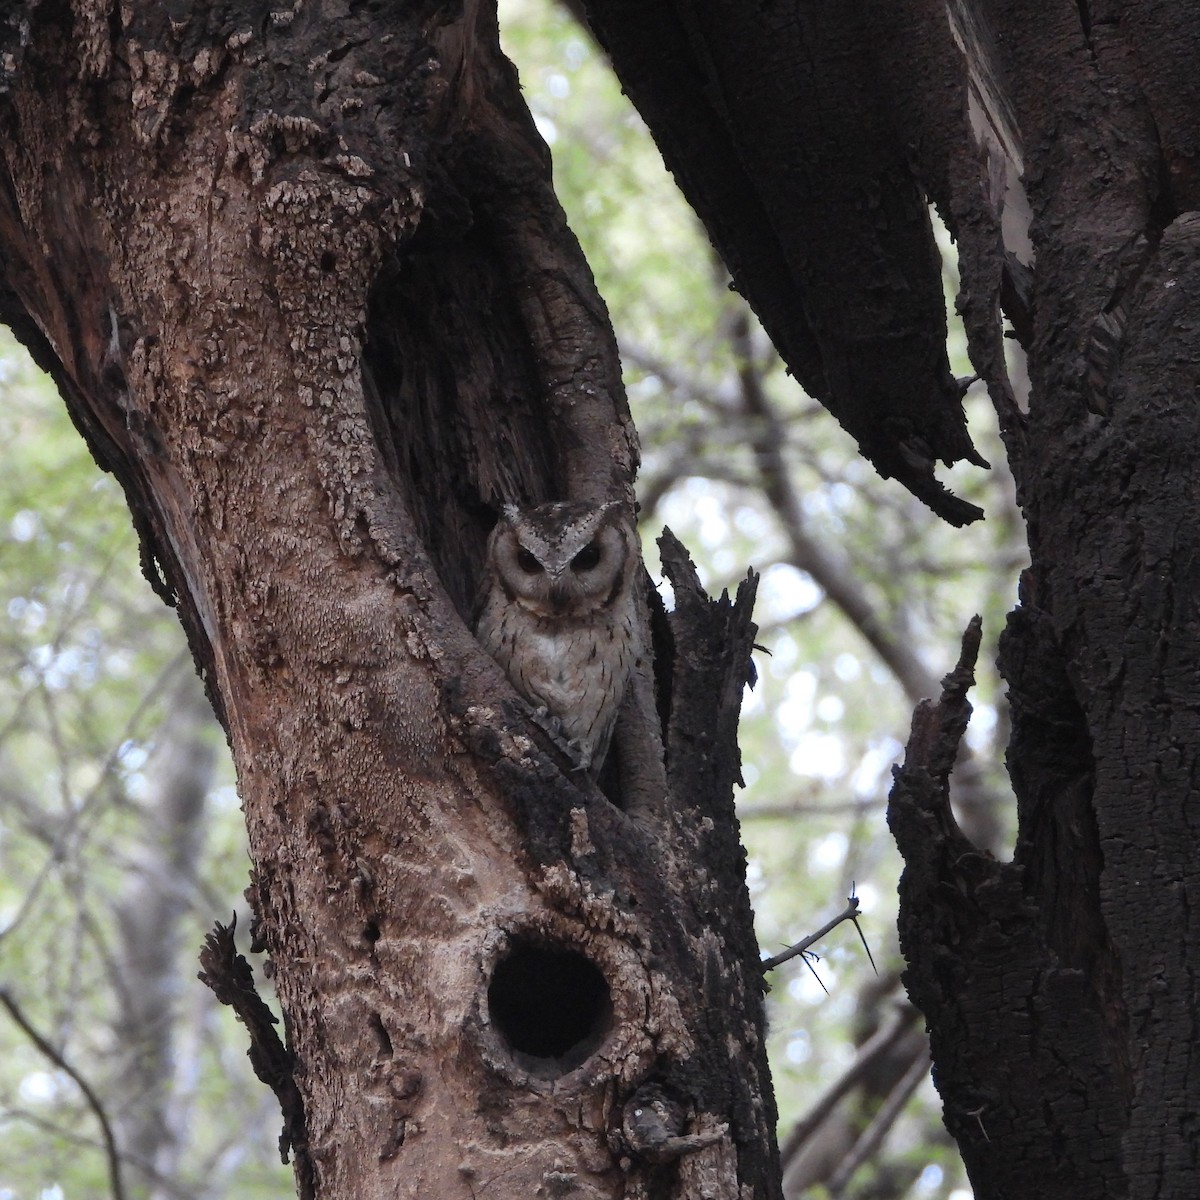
x: 89, y: 661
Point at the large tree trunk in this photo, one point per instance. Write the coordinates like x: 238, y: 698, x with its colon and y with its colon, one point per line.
x: 1060, y: 145
x: 304, y: 287
x: 1061, y: 988
x: 302, y: 280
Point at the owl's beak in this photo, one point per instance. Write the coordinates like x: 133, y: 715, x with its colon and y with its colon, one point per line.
x: 560, y: 597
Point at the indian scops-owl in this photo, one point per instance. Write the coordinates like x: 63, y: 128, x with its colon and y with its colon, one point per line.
x: 558, y: 612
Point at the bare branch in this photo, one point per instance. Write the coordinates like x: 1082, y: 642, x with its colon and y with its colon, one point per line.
x: 81, y: 809
x: 849, y: 913
x: 768, y: 442
x: 110, y: 1145
x: 879, y: 1045
x: 803, y: 808
x: 161, y: 1180
x: 872, y: 1137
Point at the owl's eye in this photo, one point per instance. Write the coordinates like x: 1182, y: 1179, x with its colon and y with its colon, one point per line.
x: 528, y: 563
x: 587, y: 558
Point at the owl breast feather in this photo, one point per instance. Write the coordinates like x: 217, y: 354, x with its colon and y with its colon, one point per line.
x: 577, y: 674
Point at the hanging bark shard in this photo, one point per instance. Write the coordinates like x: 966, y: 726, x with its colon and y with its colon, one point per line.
x: 807, y: 189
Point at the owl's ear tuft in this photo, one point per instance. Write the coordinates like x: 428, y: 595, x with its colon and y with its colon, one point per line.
x: 602, y: 514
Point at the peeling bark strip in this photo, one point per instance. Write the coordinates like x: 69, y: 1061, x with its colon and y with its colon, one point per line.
x: 231, y: 980
x: 301, y: 277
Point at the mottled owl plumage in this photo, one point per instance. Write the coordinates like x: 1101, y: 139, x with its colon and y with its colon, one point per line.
x: 558, y: 612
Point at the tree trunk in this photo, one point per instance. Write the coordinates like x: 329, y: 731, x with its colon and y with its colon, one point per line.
x: 1063, y: 990
x: 1060, y: 146
x: 150, y: 1116
x: 303, y: 282
x: 304, y: 285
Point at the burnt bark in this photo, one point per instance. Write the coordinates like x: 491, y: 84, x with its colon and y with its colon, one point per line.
x: 1017, y: 1030
x: 301, y: 278
x: 778, y: 132
x: 1078, y: 958
x: 1059, y: 145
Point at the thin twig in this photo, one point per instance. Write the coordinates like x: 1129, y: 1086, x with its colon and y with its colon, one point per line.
x: 786, y: 809
x: 159, y: 1178
x: 83, y: 808
x: 768, y: 441
x: 872, y: 1137
x: 110, y: 1144
x: 880, y: 1044
x: 849, y: 913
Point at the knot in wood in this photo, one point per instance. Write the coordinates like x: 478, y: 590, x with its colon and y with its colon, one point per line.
x: 653, y: 1124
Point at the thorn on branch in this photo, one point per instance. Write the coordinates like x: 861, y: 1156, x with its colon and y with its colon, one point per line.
x: 862, y: 937
x: 849, y: 913
x: 977, y: 1113
x: 808, y: 958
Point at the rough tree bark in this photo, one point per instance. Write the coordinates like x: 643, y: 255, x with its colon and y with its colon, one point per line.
x: 1059, y: 143
x: 1063, y: 992
x: 797, y: 170
x: 300, y: 275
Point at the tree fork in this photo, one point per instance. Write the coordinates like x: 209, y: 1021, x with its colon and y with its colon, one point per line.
x: 209, y: 227
x: 1079, y: 957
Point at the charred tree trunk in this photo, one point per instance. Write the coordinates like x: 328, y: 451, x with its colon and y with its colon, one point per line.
x: 1060, y: 145
x: 301, y: 278
x: 1061, y: 988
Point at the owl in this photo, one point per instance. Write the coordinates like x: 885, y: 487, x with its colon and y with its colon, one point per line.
x: 558, y: 612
